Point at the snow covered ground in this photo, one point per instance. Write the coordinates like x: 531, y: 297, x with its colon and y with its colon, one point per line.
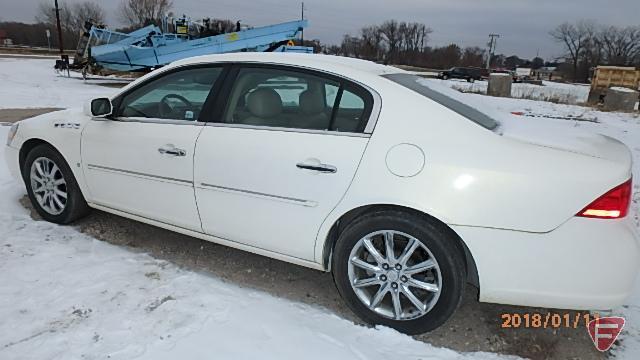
x: 32, y: 83
x: 66, y: 295
x: 550, y: 91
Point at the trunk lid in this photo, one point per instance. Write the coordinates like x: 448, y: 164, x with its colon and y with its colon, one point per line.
x: 574, y: 141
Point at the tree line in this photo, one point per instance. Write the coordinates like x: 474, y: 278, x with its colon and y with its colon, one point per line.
x: 588, y: 44
x: 133, y: 13
x: 406, y: 43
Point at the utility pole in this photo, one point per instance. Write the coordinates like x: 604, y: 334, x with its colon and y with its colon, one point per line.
x: 302, y: 31
x: 59, y: 30
x: 493, y: 42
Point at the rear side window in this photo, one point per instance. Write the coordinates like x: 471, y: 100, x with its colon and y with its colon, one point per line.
x: 351, y: 112
x: 418, y: 85
x: 291, y: 98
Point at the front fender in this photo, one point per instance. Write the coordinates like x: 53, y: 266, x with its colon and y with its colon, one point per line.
x: 62, y: 130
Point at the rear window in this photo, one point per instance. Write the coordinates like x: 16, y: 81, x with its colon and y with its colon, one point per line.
x: 420, y: 86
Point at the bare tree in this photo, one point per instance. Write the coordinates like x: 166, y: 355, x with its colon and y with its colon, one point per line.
x: 574, y: 39
x: 446, y: 56
x: 390, y: 29
x: 592, y: 54
x: 620, y: 46
x: 331, y: 50
x: 372, y: 42
x: 87, y: 11
x: 141, y: 12
x: 351, y: 46
x: 537, y: 63
x: 473, y: 56
x: 72, y: 18
x: 47, y: 15
x: 414, y: 36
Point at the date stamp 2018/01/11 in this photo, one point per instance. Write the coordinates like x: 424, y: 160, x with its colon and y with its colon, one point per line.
x: 547, y: 320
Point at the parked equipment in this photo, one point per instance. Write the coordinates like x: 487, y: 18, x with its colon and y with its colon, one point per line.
x: 153, y: 46
x: 606, y: 77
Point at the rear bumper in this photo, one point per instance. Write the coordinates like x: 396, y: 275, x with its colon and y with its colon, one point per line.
x: 585, y: 264
x: 12, y: 160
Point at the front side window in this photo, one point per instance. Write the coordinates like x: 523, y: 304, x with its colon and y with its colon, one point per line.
x: 176, y: 96
x: 275, y: 97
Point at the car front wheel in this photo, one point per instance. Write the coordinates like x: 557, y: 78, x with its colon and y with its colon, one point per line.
x: 399, y: 270
x: 51, y: 186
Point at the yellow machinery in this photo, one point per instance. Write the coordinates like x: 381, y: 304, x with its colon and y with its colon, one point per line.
x: 606, y: 77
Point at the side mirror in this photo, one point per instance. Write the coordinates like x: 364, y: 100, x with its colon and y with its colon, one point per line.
x: 100, y: 107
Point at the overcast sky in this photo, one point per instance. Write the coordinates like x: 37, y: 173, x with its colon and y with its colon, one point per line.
x: 523, y: 24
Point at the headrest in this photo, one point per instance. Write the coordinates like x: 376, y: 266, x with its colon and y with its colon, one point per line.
x: 264, y: 103
x: 311, y: 102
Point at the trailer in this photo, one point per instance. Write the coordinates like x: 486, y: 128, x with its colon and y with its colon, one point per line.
x: 151, y: 47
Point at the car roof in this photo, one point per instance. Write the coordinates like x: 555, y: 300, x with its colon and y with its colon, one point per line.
x: 335, y: 64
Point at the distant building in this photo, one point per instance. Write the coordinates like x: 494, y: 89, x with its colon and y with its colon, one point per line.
x: 547, y: 73
x: 4, y: 40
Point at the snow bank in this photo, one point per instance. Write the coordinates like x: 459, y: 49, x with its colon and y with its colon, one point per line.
x: 33, y: 83
x: 623, y: 89
x: 550, y: 91
x: 65, y: 295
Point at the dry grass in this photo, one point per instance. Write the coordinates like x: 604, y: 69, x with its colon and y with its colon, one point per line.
x: 538, y: 93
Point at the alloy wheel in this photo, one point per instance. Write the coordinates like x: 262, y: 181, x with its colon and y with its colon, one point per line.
x: 394, y: 275
x: 48, y: 185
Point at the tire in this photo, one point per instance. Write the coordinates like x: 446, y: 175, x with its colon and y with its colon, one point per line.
x: 437, y: 307
x: 445, y: 77
x: 58, y: 179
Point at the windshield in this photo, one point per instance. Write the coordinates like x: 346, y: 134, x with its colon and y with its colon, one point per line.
x: 422, y: 87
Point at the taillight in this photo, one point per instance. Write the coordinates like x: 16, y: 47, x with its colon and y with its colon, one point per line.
x: 612, y: 205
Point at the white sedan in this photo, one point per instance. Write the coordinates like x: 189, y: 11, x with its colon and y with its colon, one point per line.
x: 402, y: 192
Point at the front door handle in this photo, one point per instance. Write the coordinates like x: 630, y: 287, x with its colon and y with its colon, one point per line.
x: 323, y: 168
x: 171, y: 151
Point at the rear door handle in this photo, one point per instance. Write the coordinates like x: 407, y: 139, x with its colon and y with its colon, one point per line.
x: 323, y: 168
x: 171, y: 151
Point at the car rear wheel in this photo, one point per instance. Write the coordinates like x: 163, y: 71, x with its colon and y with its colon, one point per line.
x: 51, y: 186
x: 399, y: 270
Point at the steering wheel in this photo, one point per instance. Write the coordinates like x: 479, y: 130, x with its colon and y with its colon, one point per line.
x: 164, y: 108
